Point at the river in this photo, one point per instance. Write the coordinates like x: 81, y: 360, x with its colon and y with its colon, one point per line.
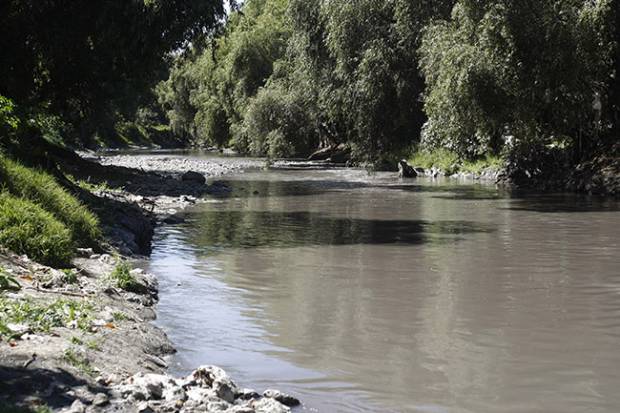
x: 363, y: 293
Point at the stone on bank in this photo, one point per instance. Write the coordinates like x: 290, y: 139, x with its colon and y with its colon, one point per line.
x: 206, y: 389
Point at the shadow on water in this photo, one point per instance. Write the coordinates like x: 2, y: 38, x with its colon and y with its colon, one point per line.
x: 251, y: 229
x: 564, y: 203
x: 522, y: 201
x: 266, y: 188
x: 309, y: 187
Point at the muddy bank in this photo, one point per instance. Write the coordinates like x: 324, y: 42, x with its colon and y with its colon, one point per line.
x: 66, y: 333
x: 81, y: 339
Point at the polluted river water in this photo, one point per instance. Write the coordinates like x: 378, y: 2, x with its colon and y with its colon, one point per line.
x: 363, y: 293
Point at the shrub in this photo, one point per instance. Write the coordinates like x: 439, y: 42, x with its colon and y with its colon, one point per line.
x: 276, y: 124
x: 26, y: 228
x: 41, y: 188
x: 124, y: 280
x: 441, y: 158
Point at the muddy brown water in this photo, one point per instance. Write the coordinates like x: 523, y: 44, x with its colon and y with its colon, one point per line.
x: 361, y: 293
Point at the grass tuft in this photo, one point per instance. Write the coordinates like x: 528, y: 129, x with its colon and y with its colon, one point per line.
x: 42, y: 189
x: 78, y: 361
x: 8, y: 282
x: 7, y: 408
x: 123, y: 279
x: 26, y: 228
x: 441, y: 158
x: 450, y: 163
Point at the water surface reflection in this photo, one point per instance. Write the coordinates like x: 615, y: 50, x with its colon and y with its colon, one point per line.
x: 357, y: 293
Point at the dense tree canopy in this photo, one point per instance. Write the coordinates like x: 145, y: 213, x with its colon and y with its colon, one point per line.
x: 283, y: 77
x: 526, y: 70
x: 90, y: 61
x: 472, y: 77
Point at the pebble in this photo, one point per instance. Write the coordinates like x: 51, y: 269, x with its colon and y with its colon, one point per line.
x: 101, y: 399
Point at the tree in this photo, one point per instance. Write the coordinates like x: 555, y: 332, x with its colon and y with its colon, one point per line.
x: 210, y: 86
x: 528, y: 71
x: 91, y: 61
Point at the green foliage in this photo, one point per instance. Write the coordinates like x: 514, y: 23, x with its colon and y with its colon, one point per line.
x: 90, y: 65
x: 121, y: 277
x: 287, y: 76
x: 4, y: 408
x: 472, y: 78
x: 79, y: 361
x: 7, y: 281
x: 209, y: 87
x: 43, y: 190
x: 8, y: 120
x: 480, y: 164
x: 70, y: 276
x: 502, y: 71
x: 119, y: 316
x: 26, y: 228
x: 93, y: 345
x: 444, y: 159
x: 276, y: 124
x: 450, y: 162
x: 43, y: 317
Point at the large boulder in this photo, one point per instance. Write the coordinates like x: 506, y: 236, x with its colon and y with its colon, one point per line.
x: 405, y: 170
x: 191, y: 176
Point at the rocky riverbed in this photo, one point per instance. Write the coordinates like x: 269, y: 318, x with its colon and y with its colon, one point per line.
x: 176, y: 165
x: 82, y: 339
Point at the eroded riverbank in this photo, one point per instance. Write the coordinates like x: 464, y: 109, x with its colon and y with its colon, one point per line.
x: 78, y: 340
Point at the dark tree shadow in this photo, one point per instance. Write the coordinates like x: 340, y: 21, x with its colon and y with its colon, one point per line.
x: 564, y: 203
x: 251, y: 229
x: 21, y: 386
x: 310, y: 187
x: 284, y: 188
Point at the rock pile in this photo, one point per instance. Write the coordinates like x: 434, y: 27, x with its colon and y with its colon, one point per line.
x: 206, y: 389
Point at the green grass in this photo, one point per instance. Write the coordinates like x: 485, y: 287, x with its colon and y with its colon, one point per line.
x: 70, y: 276
x: 26, y: 228
x: 120, y: 316
x: 8, y: 282
x: 6, y: 408
x: 480, y: 164
x: 450, y: 163
x: 440, y: 158
x: 93, y: 186
x: 42, y: 317
x: 121, y: 276
x: 78, y: 361
x: 93, y: 345
x: 43, y: 190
